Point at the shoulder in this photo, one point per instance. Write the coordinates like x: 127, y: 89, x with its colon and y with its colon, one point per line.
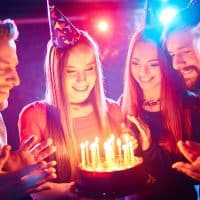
x: 120, y: 99
x: 34, y: 109
x: 114, y: 109
x: 32, y: 120
x: 191, y: 100
x: 112, y: 105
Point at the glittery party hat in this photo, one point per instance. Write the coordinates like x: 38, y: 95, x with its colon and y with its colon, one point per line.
x: 63, y: 33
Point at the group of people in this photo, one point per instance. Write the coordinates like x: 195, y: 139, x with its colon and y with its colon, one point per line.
x: 160, y: 106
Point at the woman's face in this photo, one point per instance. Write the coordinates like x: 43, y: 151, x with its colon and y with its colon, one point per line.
x: 79, y: 73
x: 145, y: 66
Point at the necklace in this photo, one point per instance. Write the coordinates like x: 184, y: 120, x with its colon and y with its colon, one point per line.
x: 151, y: 103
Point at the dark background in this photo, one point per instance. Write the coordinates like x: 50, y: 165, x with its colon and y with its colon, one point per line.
x: 31, y: 18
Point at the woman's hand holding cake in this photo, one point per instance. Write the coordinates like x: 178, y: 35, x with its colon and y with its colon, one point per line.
x: 145, y: 134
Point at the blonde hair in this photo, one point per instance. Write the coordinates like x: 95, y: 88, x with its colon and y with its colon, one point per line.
x: 176, y: 120
x: 59, y: 120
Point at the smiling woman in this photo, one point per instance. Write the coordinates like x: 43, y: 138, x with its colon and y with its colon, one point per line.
x: 75, y: 107
x: 80, y: 74
x: 163, y: 113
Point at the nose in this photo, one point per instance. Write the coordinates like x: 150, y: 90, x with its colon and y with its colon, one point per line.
x: 81, y: 76
x: 144, y: 70
x: 178, y: 61
x: 13, y: 77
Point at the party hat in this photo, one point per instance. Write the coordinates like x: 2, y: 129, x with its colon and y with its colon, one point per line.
x: 63, y: 33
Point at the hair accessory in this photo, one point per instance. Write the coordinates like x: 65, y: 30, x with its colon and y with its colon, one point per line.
x: 63, y: 33
x: 151, y: 103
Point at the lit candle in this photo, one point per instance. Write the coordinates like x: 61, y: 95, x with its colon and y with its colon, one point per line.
x: 125, y: 150
x: 108, y: 153
x: 87, y: 152
x: 112, y: 141
x: 131, y: 151
x: 93, y: 154
x: 97, y: 149
x: 119, y: 144
x: 83, y: 155
x: 126, y: 137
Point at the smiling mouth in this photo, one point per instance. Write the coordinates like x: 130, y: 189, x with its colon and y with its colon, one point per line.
x: 81, y: 89
x: 4, y: 93
x: 188, y: 69
x: 145, y: 80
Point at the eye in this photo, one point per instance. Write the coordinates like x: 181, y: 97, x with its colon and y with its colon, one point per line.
x: 154, y: 64
x: 70, y: 70
x: 90, y: 67
x: 135, y: 63
x: 186, y: 51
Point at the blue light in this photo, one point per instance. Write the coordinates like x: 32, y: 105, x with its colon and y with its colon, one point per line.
x: 167, y: 14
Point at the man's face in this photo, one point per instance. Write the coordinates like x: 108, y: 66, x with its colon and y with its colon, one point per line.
x: 185, y: 60
x: 8, y: 74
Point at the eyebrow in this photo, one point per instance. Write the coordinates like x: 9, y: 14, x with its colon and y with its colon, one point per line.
x: 152, y: 60
x: 136, y: 59
x: 183, y: 47
x: 91, y: 63
x: 180, y: 48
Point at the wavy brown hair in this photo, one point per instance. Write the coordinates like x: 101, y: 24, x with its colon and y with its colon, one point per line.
x: 176, y: 118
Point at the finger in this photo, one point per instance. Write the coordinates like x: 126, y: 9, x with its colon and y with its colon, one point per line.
x: 193, y: 145
x: 123, y: 125
x: 28, y: 143
x: 187, y: 152
x: 5, y: 153
x: 197, y: 162
x: 45, y: 153
x: 136, y: 122
x: 38, y: 177
x: 29, y: 169
x: 39, y: 188
x: 17, y: 175
x: 188, y: 169
x: 51, y: 164
x: 41, y: 146
x: 144, y: 130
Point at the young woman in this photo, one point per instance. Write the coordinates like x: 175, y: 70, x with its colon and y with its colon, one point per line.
x: 161, y: 113
x: 75, y: 108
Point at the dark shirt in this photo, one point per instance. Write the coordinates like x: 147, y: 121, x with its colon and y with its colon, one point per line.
x: 165, y: 182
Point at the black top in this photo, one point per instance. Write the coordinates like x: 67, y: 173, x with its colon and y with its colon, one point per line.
x: 165, y: 183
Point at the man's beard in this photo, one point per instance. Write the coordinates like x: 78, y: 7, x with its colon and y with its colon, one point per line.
x: 192, y: 83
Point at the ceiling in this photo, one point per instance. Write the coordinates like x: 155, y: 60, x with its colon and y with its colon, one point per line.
x: 37, y: 8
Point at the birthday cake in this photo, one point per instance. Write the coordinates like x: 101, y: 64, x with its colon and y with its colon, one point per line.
x: 116, y: 181
x: 109, y: 169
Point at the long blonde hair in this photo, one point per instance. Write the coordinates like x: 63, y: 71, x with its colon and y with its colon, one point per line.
x: 59, y: 120
x: 176, y: 119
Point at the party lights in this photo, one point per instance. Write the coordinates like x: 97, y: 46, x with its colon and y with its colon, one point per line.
x: 167, y: 15
x: 103, y: 26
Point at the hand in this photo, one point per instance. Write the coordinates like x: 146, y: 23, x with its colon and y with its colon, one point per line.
x: 191, y: 151
x: 30, y: 152
x: 53, y: 191
x: 15, y: 184
x: 145, y: 134
x: 129, y: 134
